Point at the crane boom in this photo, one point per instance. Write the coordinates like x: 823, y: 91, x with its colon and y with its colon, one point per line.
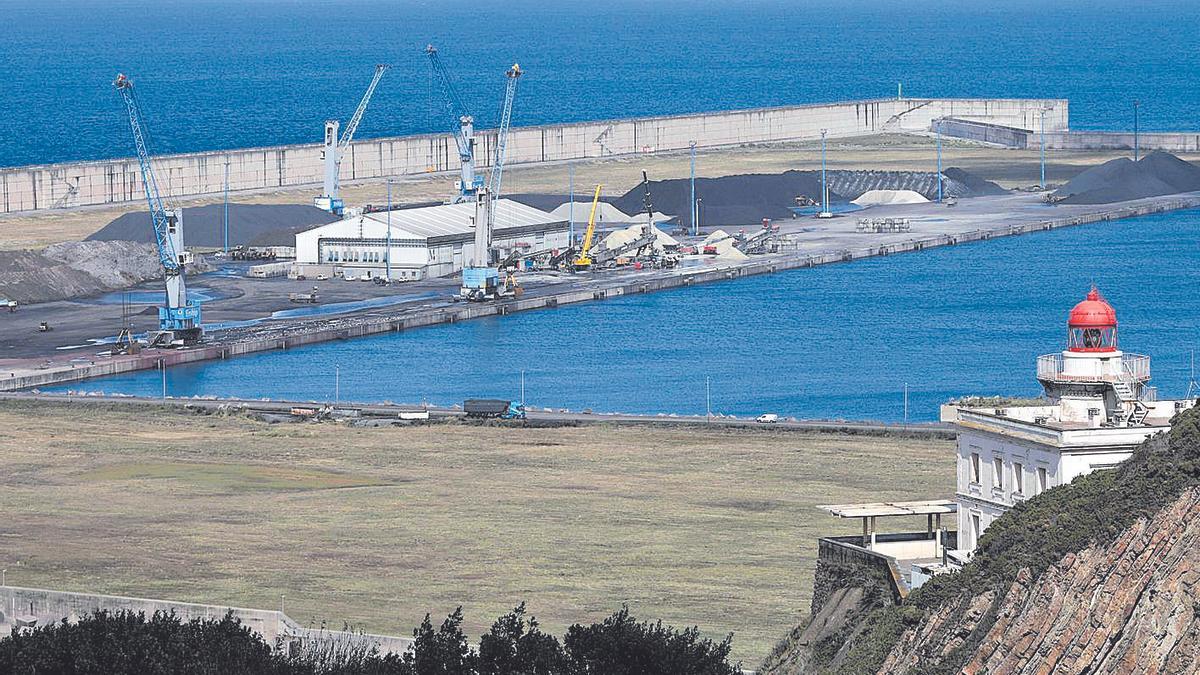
x: 179, y: 318
x: 584, y: 261
x: 462, y: 127
x: 510, y: 94
x: 348, y: 133
x: 335, y: 148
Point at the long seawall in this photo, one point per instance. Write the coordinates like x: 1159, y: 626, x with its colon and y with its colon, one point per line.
x: 57, y: 374
x: 56, y: 186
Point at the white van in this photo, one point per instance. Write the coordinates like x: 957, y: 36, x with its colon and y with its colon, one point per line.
x: 767, y: 418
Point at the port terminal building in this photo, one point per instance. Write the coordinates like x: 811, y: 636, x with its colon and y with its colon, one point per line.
x: 424, y: 242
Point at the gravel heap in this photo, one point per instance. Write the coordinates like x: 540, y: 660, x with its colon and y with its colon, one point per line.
x: 1117, y: 180
x: 249, y: 225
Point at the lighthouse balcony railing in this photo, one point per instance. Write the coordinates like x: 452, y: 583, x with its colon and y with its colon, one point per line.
x: 1134, y: 367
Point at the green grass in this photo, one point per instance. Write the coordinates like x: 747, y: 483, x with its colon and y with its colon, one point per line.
x: 715, y: 528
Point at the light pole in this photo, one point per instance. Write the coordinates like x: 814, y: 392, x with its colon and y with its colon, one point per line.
x: 571, y: 208
x: 522, y: 388
x: 162, y: 365
x: 708, y: 398
x: 824, y: 189
x: 1136, y: 105
x: 938, y: 126
x: 387, y: 256
x: 226, y: 206
x: 905, y: 404
x: 692, y: 147
x: 337, y: 384
x: 1043, y: 144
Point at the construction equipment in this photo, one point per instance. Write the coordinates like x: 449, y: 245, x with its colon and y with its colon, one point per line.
x: 584, y: 261
x: 759, y: 241
x: 462, y: 128
x: 335, y: 148
x: 179, y: 318
x: 481, y: 278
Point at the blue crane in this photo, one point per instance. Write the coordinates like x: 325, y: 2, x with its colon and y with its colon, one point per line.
x: 497, y: 174
x: 179, y: 318
x: 462, y: 127
x: 334, y: 148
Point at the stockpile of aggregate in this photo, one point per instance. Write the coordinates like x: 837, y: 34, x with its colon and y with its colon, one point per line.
x: 78, y: 269
x: 249, y: 225
x: 1156, y: 174
x: 748, y: 198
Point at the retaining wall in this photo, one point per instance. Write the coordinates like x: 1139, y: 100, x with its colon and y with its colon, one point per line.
x: 51, y: 186
x: 375, y: 325
x: 1012, y: 137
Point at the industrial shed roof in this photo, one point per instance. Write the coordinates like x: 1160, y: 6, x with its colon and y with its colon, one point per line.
x: 430, y: 222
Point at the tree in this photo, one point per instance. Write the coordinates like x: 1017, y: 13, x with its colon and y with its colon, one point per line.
x: 621, y: 646
x: 515, y: 646
x: 442, y: 652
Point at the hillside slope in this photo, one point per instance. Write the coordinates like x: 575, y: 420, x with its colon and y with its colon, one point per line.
x: 1099, y: 576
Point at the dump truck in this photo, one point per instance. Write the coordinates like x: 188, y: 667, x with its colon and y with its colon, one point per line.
x: 496, y: 408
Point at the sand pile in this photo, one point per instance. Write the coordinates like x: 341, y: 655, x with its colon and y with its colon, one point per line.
x: 1159, y: 173
x: 249, y: 225
x: 883, y: 197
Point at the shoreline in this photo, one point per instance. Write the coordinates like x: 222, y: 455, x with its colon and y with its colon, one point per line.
x: 31, y: 373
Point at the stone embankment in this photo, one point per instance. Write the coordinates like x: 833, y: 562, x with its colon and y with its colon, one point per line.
x: 1127, y: 607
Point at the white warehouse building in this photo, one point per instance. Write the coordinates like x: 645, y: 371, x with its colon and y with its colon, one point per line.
x: 426, y: 242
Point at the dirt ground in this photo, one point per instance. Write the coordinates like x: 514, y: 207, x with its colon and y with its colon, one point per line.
x: 1010, y: 168
x: 376, y: 527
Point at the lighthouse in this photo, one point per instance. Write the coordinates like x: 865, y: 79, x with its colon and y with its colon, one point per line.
x: 1097, y: 409
x: 1092, y: 381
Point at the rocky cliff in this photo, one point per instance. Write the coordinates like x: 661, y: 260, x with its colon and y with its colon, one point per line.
x: 1099, y: 576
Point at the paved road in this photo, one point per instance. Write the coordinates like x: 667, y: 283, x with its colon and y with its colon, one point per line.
x: 385, y: 411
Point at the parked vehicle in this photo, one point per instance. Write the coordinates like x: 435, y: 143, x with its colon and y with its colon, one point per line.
x: 495, y: 408
x: 767, y: 418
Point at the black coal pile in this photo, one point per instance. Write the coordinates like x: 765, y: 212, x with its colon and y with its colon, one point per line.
x: 249, y: 225
x: 730, y: 200
x: 1159, y: 173
x: 975, y: 185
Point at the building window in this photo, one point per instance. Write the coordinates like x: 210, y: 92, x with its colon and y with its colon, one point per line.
x: 1042, y: 481
x: 998, y: 473
x: 1018, y: 478
x: 975, y: 468
x: 976, y: 529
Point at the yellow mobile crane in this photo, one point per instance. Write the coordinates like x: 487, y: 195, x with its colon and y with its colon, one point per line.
x: 583, y: 261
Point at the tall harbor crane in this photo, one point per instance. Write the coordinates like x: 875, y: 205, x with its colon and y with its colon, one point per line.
x: 179, y: 318
x: 481, y: 276
x: 335, y: 148
x: 462, y: 126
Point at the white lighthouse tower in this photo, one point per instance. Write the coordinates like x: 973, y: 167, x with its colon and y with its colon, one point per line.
x: 1097, y: 410
x: 1092, y: 380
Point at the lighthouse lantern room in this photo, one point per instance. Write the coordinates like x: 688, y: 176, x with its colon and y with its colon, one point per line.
x: 1092, y: 380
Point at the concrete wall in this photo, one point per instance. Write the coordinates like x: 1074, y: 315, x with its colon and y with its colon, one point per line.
x: 276, y: 628
x: 1062, y: 139
x: 36, y: 188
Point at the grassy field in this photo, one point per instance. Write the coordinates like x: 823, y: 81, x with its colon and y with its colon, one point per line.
x: 715, y: 528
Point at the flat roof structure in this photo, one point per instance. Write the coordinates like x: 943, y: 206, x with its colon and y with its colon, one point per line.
x: 928, y: 507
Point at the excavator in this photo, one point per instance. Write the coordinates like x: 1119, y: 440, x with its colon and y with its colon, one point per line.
x: 583, y: 261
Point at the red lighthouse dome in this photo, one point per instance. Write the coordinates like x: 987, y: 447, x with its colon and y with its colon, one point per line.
x: 1092, y: 325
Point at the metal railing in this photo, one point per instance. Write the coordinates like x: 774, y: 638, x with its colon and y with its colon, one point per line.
x: 1135, y: 367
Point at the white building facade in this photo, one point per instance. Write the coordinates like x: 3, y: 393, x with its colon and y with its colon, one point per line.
x: 425, y: 242
x: 1098, y: 410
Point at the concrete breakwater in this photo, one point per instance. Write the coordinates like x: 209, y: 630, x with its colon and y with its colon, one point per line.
x: 294, y: 335
x: 1022, y: 138
x: 56, y: 186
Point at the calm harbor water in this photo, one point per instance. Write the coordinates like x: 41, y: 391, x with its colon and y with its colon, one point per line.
x: 838, y: 341
x: 216, y: 74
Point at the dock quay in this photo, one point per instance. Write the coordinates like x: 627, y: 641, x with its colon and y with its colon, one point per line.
x: 974, y: 220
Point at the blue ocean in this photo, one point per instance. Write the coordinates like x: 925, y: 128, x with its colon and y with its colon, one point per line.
x: 840, y: 341
x: 217, y: 74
